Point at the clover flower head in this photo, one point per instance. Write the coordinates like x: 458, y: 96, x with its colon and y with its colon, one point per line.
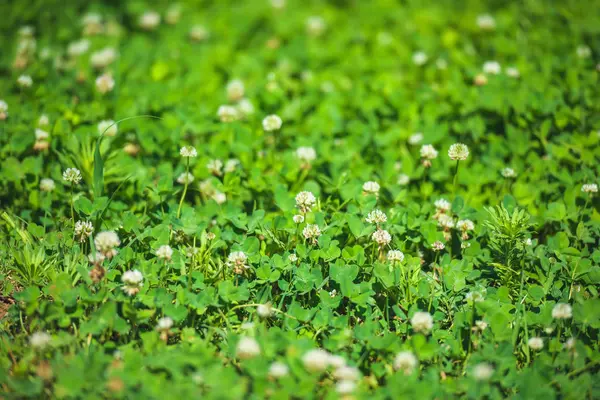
x: 486, y: 22
x: 228, y: 113
x: 589, y: 188
x: 185, y: 178
x: 371, y: 187
x: 264, y: 310
x: 103, y: 58
x: 345, y: 388
x: 235, y: 90
x: 219, y: 197
x: 188, y: 152
x: 41, y: 134
x: 237, y: 260
x: 442, y: 205
x: 346, y: 373
x: 415, y: 138
x: 298, y: 218
x: 483, y: 371
x: 420, y: 58
x: 106, y: 242
x: 458, y: 151
x: 480, y: 80
x: 78, y: 47
x: 231, y: 165
x: 215, y: 167
x: 83, y: 230
x: 164, y: 252
x: 132, y: 282
x: 40, y: 340
x: 105, y: 83
x: 513, y: 72
x: 92, y: 24
x: 315, y: 25
x: 247, y: 348
x: 199, y: 33
x: 583, y: 51
x: 465, y: 225
x: 428, y: 152
x: 474, y: 297
x: 311, y: 232
x: 562, y: 311
x: 72, y: 175
x: 535, y: 343
x: 406, y: 362
x: 25, y: 81
x: 422, y: 322
x: 306, y: 154
x: 376, y: 217
x: 149, y: 20
x: 292, y: 258
x: 305, y: 201
x: 272, y: 123
x: 492, y: 67
x: 108, y: 128
x: 278, y: 370
x: 47, y: 185
x: 508, y: 172
x: 316, y: 360
x: 164, y: 324
x: 403, y: 179
x: 438, y: 246
x: 245, y: 108
x: 395, y: 256
x: 382, y: 237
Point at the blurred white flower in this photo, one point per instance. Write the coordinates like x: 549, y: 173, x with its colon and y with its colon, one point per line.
x: 199, y: 33
x: 428, y: 152
x: 316, y: 360
x: 508, y: 172
x: 149, y: 20
x: 72, y: 175
x: 78, y: 47
x: 271, y: 123
x: 422, y: 322
x: 311, y: 232
x: 395, y: 255
x: 382, y: 237
x: 486, y: 22
x: 164, y: 324
x: 228, y: 113
x: 188, y: 151
x: 583, y: 51
x: 458, y: 151
x: 25, y: 81
x: 492, y: 67
x: 247, y: 348
x: 403, y: 179
x: 298, y: 219
x: 103, y: 58
x: 278, y: 370
x: 589, y: 188
x: 536, y: 343
x: 108, y: 128
x: 306, y: 154
x: 83, y: 230
x: 305, y: 201
x: 264, y: 310
x: 185, y: 177
x: 235, y: 90
x: 406, y: 362
x: 106, y: 242
x: 105, y: 83
x: 47, y: 185
x: 513, y: 72
x: 562, y: 311
x: 415, y: 138
x: 164, y: 252
x: 371, y: 187
x: 132, y: 282
x: 483, y: 371
x: 40, y: 340
x: 419, y: 58
x: 376, y: 217
x: 315, y: 25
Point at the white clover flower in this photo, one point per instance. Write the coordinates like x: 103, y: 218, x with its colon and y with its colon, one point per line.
x: 458, y: 151
x: 483, y: 371
x: 185, y: 178
x: 271, y: 123
x: 164, y: 252
x: 228, y: 113
x: 264, y: 310
x: 39, y: 340
x: 199, y: 33
x: 442, y: 205
x: 132, y: 282
x: 589, y: 188
x: 25, y: 81
x: 403, y: 179
x: 83, y: 230
x: 306, y: 154
x: 26, y: 32
x: 382, y: 237
x: 164, y: 324
x: 536, y: 343
x: 465, y: 225
x: 583, y: 51
x: 428, y: 152
x: 486, y: 22
x: 528, y: 242
x: 106, y: 242
x: 72, y: 175
x: 47, y: 185
x: 395, y: 255
x: 149, y: 20
x: 96, y: 258
x: 231, y: 165
x: 415, y: 138
x: 492, y: 67
x: 570, y: 344
x: 311, y: 232
x: 422, y: 322
x: 438, y: 246
x: 371, y: 187
x: 292, y: 258
x: 419, y: 58
x: 235, y: 90
x: 315, y: 25
x: 103, y: 58
x: 105, y: 83
x: 562, y: 311
x: 508, y: 172
x: 237, y: 260
x: 481, y: 325
x: 298, y: 219
x: 247, y: 348
x: 278, y: 370
x: 316, y: 360
x: 41, y: 134
x: 337, y: 361
x: 406, y: 362
x: 188, y: 151
x: 480, y: 80
x: 346, y: 373
x: 513, y: 72
x: 215, y: 167
x: 474, y: 297
x: 245, y: 108
x: 107, y: 128
x: 305, y: 201
x: 219, y: 197
x: 78, y: 47
x: 42, y: 121
x: 345, y: 387
x: 376, y: 217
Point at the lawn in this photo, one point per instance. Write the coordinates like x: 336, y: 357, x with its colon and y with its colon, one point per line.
x: 299, y: 199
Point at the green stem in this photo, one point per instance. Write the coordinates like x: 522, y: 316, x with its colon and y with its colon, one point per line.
x: 72, y: 212
x: 185, y: 186
x: 456, y: 175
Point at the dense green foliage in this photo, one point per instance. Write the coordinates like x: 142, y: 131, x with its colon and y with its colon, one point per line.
x: 478, y: 278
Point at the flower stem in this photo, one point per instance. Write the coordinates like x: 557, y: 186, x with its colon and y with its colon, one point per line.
x: 185, y: 186
x: 456, y: 175
x: 72, y: 212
